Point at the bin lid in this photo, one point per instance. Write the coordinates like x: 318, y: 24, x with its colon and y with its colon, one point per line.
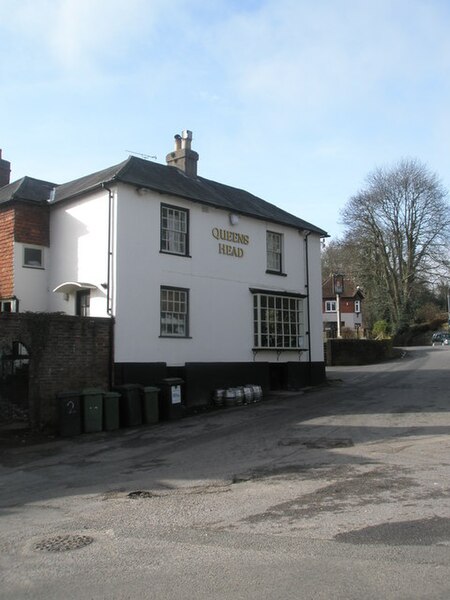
x: 128, y: 386
x: 172, y: 380
x: 91, y: 391
x: 150, y: 388
x: 111, y: 394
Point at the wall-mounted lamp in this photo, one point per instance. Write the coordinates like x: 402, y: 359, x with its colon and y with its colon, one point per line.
x: 142, y: 191
x: 234, y: 218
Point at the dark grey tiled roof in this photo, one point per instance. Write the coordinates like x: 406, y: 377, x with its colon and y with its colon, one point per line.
x: 170, y: 180
x: 27, y: 188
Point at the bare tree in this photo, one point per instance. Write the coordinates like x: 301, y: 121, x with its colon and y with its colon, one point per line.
x: 355, y: 257
x: 401, y: 223
x: 339, y: 256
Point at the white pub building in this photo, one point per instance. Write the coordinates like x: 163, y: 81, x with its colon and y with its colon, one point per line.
x: 204, y: 281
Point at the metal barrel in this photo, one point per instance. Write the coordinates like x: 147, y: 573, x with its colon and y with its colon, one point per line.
x: 230, y: 397
x: 257, y: 393
x: 239, y: 391
x: 218, y: 397
x: 248, y: 394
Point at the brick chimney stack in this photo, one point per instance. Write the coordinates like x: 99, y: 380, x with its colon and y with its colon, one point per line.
x: 5, y: 171
x: 183, y: 157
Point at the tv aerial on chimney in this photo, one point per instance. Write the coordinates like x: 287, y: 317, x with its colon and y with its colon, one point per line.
x: 145, y: 156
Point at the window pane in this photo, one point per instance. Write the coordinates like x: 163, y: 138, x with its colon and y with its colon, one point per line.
x: 278, y: 321
x: 32, y: 257
x: 273, y: 248
x: 174, y: 315
x: 174, y: 230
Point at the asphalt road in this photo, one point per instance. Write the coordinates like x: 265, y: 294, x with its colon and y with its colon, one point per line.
x: 341, y: 492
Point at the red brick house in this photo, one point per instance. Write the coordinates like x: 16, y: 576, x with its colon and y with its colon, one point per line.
x: 350, y: 306
x: 24, y: 238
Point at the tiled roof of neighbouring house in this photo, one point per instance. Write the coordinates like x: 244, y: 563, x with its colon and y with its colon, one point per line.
x: 351, y: 290
x: 28, y: 189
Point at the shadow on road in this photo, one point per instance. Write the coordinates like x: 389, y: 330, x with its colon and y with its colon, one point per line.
x: 283, y: 435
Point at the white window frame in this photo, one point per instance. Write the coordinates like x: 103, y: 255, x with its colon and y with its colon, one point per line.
x: 357, y: 306
x: 330, y: 306
x: 30, y: 264
x: 9, y: 305
x: 174, y: 230
x: 278, y: 321
x: 274, y: 251
x: 174, y: 312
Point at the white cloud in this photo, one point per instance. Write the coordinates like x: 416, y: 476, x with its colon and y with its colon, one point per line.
x: 312, y: 56
x: 77, y: 35
x: 88, y: 30
x: 293, y: 89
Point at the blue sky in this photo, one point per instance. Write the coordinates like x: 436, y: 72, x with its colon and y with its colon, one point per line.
x: 292, y: 100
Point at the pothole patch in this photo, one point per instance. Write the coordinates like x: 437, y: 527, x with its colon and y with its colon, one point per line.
x: 318, y: 443
x: 62, y: 543
x: 141, y: 494
x: 188, y: 491
x: 330, y: 443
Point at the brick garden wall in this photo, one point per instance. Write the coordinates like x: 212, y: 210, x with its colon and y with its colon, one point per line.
x: 66, y: 353
x: 340, y: 352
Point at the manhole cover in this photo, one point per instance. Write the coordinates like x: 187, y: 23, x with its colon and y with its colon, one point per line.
x: 141, y: 494
x: 61, y: 543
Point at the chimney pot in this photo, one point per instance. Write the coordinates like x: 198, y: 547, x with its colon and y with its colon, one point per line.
x: 186, y: 139
x: 184, y: 158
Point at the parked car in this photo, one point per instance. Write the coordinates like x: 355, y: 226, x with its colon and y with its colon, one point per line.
x: 440, y: 337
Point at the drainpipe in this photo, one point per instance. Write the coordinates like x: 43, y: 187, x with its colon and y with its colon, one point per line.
x: 108, y: 286
x: 109, y: 258
x: 308, y: 312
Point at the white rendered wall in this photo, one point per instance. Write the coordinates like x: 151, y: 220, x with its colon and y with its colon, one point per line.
x: 348, y: 319
x: 221, y: 305
x: 31, y: 283
x: 315, y: 291
x: 79, y: 245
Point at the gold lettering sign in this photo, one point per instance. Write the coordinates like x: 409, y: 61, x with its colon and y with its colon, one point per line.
x: 226, y: 235
x: 231, y: 250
